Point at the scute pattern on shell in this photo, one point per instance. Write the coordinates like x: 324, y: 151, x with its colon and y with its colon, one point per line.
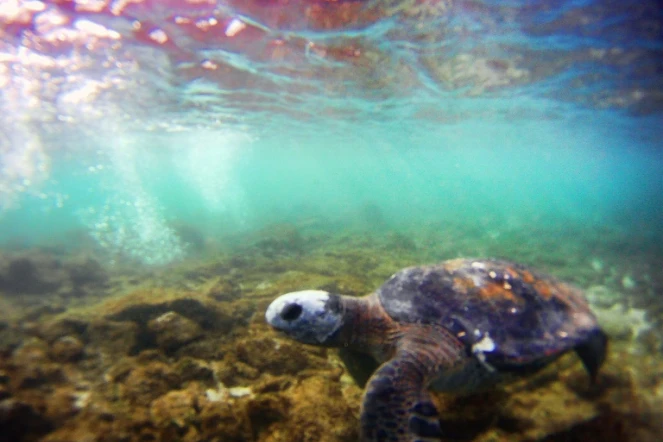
x: 525, y: 314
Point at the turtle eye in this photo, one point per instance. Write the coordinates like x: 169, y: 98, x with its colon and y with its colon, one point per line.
x: 291, y: 312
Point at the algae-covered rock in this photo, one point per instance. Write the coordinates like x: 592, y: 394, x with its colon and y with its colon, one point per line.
x: 176, y: 408
x: 57, y: 328
x: 40, y: 311
x: 279, y: 240
x: 62, y: 404
x: 538, y: 412
x: 292, y: 280
x: 173, y: 331
x: 348, y: 285
x: 114, y: 338
x: 67, y: 349
x: 32, y: 352
x: 21, y: 421
x: 35, y: 376
x: 142, y: 306
x: 222, y: 289
x: 276, y: 356
x: 224, y: 421
x: 317, y: 412
x: 148, y: 381
x: 190, y: 369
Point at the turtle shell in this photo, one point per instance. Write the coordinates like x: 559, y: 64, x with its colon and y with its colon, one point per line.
x: 510, y: 314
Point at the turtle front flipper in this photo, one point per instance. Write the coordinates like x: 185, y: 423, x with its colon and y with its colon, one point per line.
x: 397, y: 406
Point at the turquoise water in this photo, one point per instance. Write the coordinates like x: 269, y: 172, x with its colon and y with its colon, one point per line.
x: 581, y: 168
x: 502, y: 116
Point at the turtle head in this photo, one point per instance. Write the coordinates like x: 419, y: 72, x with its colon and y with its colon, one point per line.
x: 311, y: 316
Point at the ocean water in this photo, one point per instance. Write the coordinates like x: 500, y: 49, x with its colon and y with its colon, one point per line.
x: 156, y: 133
x: 120, y: 120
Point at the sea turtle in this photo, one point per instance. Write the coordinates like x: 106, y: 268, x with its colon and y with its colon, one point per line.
x: 459, y: 326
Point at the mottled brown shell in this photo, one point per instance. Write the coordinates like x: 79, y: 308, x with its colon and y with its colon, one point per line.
x: 514, y: 313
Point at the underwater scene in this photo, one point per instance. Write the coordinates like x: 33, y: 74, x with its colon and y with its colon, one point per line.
x: 169, y: 169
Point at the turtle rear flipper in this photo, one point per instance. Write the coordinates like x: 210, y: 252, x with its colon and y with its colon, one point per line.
x: 397, y: 406
x: 592, y: 352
